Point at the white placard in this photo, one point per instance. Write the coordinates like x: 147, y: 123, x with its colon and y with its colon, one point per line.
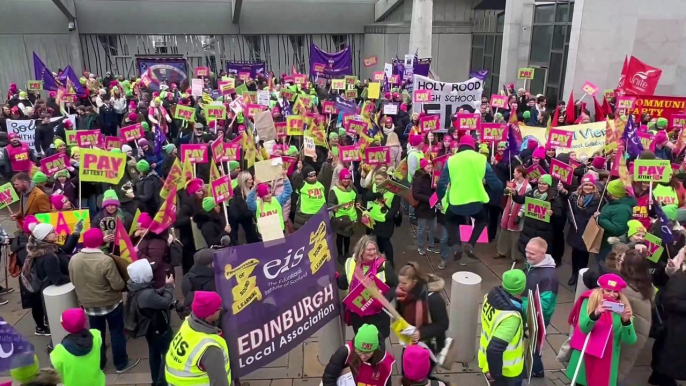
x: 390, y: 109
x: 263, y: 98
x: 196, y: 87
x: 388, y: 69
x: 309, y: 147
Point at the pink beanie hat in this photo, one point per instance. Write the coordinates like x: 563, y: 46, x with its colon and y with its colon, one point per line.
x: 93, y: 238
x: 262, y: 190
x: 132, y: 105
x: 598, y: 163
x: 660, y: 137
x: 344, y: 174
x: 144, y: 220
x: 28, y: 220
x: 57, y: 200
x: 205, y: 303
x: 467, y: 140
x: 416, y: 363
x: 539, y: 153
x: 73, y: 320
x: 423, y: 163
x: 415, y: 139
x: 133, y: 117
x: 194, y: 185
x: 588, y: 179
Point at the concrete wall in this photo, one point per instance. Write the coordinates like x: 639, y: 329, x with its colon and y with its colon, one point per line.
x: 604, y: 31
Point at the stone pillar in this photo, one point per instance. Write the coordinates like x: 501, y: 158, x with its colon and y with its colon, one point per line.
x: 75, y: 51
x: 519, y: 16
x: 465, y: 296
x: 421, y: 28
x: 57, y: 300
x: 580, y: 289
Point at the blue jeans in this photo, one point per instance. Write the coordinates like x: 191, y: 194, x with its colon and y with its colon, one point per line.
x: 446, y: 251
x: 422, y: 225
x: 115, y: 321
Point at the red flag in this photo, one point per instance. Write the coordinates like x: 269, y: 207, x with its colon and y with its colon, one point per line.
x: 640, y: 78
x: 622, y: 75
x: 599, y: 113
x: 571, y: 111
x: 556, y: 117
x: 166, y: 216
x: 121, y: 238
x: 513, y: 116
x: 606, y: 107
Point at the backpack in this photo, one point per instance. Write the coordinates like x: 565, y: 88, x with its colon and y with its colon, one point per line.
x: 29, y: 276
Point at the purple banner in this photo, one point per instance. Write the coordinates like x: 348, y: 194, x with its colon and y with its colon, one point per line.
x: 70, y: 79
x: 255, y: 69
x: 41, y: 72
x: 336, y: 65
x: 167, y: 71
x: 276, y: 294
x: 13, y: 345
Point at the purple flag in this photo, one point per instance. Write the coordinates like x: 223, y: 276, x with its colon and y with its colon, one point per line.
x: 665, y: 228
x: 344, y: 105
x: 12, y: 344
x: 276, y: 294
x: 336, y: 64
x: 160, y: 138
x: 69, y: 78
x: 42, y: 72
x: 630, y: 138
x: 386, y: 85
x: 479, y: 74
x: 254, y: 69
x: 512, y: 148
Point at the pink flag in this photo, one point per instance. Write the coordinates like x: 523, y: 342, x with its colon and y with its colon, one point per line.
x: 126, y: 249
x: 166, y: 216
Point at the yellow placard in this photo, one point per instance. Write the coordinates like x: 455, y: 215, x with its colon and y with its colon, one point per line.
x: 374, y: 90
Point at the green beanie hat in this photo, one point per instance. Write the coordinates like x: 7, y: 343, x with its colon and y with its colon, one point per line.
x: 168, y: 149
x: 547, y: 179
x: 498, y: 115
x: 502, y: 144
x: 483, y: 149
x: 272, y: 103
x: 292, y: 150
x: 39, y: 178
x: 142, y: 166
x: 208, y: 204
x: 233, y: 165
x: 662, y: 122
x: 527, y: 114
x: 83, y: 80
x: 240, y: 118
x: 163, y: 95
x: 616, y: 188
x: 514, y: 281
x: 116, y: 151
x: 670, y: 212
x: 333, y: 135
x: 341, y: 132
x: 110, y: 198
x: 62, y: 173
x: 145, y: 126
x: 24, y: 367
x: 58, y: 142
x: 367, y: 338
x: 634, y: 227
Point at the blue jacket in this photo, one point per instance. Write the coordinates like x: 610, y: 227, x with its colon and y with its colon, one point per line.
x: 493, y: 184
x: 153, y: 158
x: 282, y: 198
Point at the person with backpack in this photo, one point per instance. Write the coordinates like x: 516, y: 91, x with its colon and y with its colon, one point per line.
x: 148, y: 188
x: 46, y: 263
x: 148, y: 314
x: 199, y: 278
x: 155, y: 248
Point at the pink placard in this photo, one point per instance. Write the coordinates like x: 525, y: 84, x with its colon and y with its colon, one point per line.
x: 438, y: 164
x: 202, y: 71
x: 131, y: 133
x: 561, y: 171
x: 626, y: 102
x: 221, y: 189
x: 231, y: 150
x: 318, y: 67
x: 429, y: 123
x: 361, y: 302
x: 498, y: 101
x: 54, y: 163
x: 88, y: 138
x: 378, y: 155
x: 678, y: 121
x: 217, y: 149
x: 252, y: 109
x: 395, y: 79
x: 378, y: 76
x: 328, y: 107
x: 589, y: 88
x: 196, y: 152
x: 244, y: 76
x: 355, y: 127
x: 466, y: 234
x: 560, y: 138
x: 647, y: 140
x: 493, y: 132
x: 422, y: 96
x: 534, y: 172
x: 300, y: 78
x: 469, y: 121
x: 433, y: 200
x: 113, y: 143
x: 349, y: 153
x: 288, y: 163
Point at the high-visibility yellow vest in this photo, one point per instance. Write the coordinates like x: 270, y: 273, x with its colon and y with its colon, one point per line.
x: 265, y: 208
x: 415, y: 154
x: 312, y: 198
x: 347, y: 198
x: 513, y: 357
x: 350, y: 271
x: 467, y: 170
x: 184, y: 354
x: 374, y: 207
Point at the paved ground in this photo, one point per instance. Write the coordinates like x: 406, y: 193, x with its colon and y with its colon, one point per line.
x: 301, y: 366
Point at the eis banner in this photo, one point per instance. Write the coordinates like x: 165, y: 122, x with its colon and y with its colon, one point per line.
x: 276, y: 295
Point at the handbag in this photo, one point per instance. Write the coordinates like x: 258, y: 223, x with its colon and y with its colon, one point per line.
x: 565, y: 353
x: 593, y: 236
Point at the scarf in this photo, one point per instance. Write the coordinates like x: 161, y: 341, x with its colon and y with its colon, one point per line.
x: 540, y: 196
x: 369, y: 268
x: 585, y: 201
x: 599, y: 367
x: 415, y: 311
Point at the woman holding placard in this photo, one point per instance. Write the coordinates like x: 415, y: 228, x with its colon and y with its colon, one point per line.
x: 511, y: 222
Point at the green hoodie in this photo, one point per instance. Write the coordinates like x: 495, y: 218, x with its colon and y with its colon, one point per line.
x: 614, y: 217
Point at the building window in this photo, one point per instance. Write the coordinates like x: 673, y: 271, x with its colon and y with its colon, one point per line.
x: 486, y: 53
x: 552, y: 26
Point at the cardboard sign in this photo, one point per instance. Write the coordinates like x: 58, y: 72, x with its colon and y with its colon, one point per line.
x: 589, y: 88
x: 493, y: 132
x: 184, y: 113
x: 294, y: 125
x: 560, y: 138
x: 525, y: 73
x: 536, y: 209
x: 361, y: 301
x: 309, y: 147
x: 268, y: 170
x: 65, y: 222
x: 338, y: 84
x: 654, y: 247
x: 498, y: 101
x: 428, y: 123
x: 626, y: 102
x: 251, y: 110
x: 231, y: 152
x: 318, y: 68
x: 113, y: 143
x: 202, y: 71
x: 221, y: 189
x: 421, y: 96
x: 378, y: 76
x: 355, y: 127
x: 677, y: 121
x: 213, y: 112
x: 390, y: 109
x: 646, y: 170
x: 561, y: 171
x: 534, y: 172
x: 351, y: 94
x: 469, y: 121
x: 349, y: 153
x: 54, y: 163
x: 132, y: 132
x: 328, y: 107
x: 378, y: 155
x: 34, y: 85
x: 368, y: 62
x: 244, y: 76
x: 197, y: 153
x: 101, y: 166
x: 7, y: 195
x: 88, y: 138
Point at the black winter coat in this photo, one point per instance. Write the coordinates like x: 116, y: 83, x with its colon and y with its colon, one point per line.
x: 199, y: 278
x: 238, y: 208
x: 189, y: 206
x: 211, y: 226
x: 536, y: 228
x: 422, y: 192
x: 672, y: 361
x: 581, y: 216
